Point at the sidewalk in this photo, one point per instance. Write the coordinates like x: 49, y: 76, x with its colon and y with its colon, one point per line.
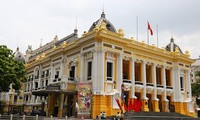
x: 71, y: 118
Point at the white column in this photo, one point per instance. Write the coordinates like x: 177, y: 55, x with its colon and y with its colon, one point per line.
x: 144, y: 79
x: 188, y: 85
x: 119, y: 72
x: 39, y: 79
x: 63, y: 69
x: 133, y: 77
x: 178, y: 85
x: 81, y: 67
x: 154, y: 82
x: 188, y: 91
x: 101, y: 70
x: 52, y: 74
x: 164, y: 83
x: 94, y: 72
x: 173, y: 83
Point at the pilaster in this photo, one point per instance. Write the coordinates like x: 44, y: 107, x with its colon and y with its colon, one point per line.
x: 164, y: 83
x: 60, y: 109
x: 81, y: 66
x: 144, y: 80
x: 144, y: 97
x: 154, y: 82
x: 101, y: 61
x: 119, y: 72
x: 133, y: 78
x: 94, y: 72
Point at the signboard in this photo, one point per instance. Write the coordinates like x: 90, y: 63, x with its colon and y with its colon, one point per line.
x: 84, y: 99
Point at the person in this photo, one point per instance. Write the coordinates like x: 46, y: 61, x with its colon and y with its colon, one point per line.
x: 97, y: 117
x: 122, y: 92
x: 118, y: 117
x: 122, y: 115
x: 103, y: 115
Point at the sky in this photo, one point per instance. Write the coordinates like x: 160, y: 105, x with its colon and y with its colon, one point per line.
x: 26, y: 22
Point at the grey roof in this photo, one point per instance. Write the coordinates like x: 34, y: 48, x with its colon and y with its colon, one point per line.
x: 172, y: 46
x: 18, y: 56
x: 50, y: 45
x: 69, y: 38
x: 109, y: 25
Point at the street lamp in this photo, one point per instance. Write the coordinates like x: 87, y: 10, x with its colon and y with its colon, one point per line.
x: 9, y: 106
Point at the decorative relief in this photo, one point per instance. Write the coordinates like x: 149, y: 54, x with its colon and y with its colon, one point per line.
x: 127, y: 58
x: 73, y: 62
x: 148, y: 63
x: 88, y: 55
x: 110, y: 56
x: 138, y: 61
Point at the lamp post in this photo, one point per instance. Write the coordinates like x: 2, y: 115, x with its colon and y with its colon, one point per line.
x: 9, y: 106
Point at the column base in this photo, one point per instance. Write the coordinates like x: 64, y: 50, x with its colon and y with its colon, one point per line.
x: 179, y: 107
x: 145, y: 105
x: 165, y: 105
x: 155, y: 106
x: 60, y: 113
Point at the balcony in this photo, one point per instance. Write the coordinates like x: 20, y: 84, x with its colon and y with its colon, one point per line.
x: 138, y: 85
x: 169, y: 87
x: 47, y: 75
x: 159, y: 86
x: 127, y: 81
x: 149, y: 87
x: 169, y: 90
x: 71, y: 78
x: 149, y: 84
x: 42, y: 76
x: 160, y: 89
x: 55, y: 80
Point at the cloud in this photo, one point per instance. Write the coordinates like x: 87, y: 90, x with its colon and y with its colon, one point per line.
x: 30, y: 21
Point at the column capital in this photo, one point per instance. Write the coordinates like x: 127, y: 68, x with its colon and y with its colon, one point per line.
x: 164, y: 66
x: 82, y: 54
x: 144, y: 61
x: 101, y: 50
x: 120, y: 55
x: 133, y: 59
x: 94, y: 50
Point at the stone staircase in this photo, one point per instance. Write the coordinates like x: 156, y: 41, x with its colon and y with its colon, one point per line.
x: 156, y: 116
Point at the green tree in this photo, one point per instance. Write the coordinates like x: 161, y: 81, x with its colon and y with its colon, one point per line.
x: 11, y: 71
x: 196, y: 86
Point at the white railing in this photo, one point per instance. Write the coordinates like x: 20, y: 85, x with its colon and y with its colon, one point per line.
x: 127, y: 81
x: 18, y: 117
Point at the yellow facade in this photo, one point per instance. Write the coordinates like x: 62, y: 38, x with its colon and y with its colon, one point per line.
x: 147, y: 72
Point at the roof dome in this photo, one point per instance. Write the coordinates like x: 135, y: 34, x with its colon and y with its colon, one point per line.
x: 172, y: 46
x: 18, y: 56
x: 109, y: 25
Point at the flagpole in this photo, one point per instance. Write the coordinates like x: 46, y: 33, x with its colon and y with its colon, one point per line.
x: 147, y: 33
x: 157, y: 33
x: 137, y: 28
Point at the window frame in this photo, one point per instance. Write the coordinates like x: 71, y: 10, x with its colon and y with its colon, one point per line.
x: 74, y: 77
x: 89, y: 77
x: 110, y: 79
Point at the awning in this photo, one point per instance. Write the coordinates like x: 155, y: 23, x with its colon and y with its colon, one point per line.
x: 52, y: 88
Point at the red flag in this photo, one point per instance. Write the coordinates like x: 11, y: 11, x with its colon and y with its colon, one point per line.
x: 149, y: 28
x: 137, y: 105
x: 118, y: 103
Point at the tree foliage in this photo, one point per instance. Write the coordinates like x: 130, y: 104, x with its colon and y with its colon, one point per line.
x: 11, y: 71
x: 196, y: 86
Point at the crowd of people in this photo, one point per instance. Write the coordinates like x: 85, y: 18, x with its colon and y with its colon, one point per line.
x: 102, y: 116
